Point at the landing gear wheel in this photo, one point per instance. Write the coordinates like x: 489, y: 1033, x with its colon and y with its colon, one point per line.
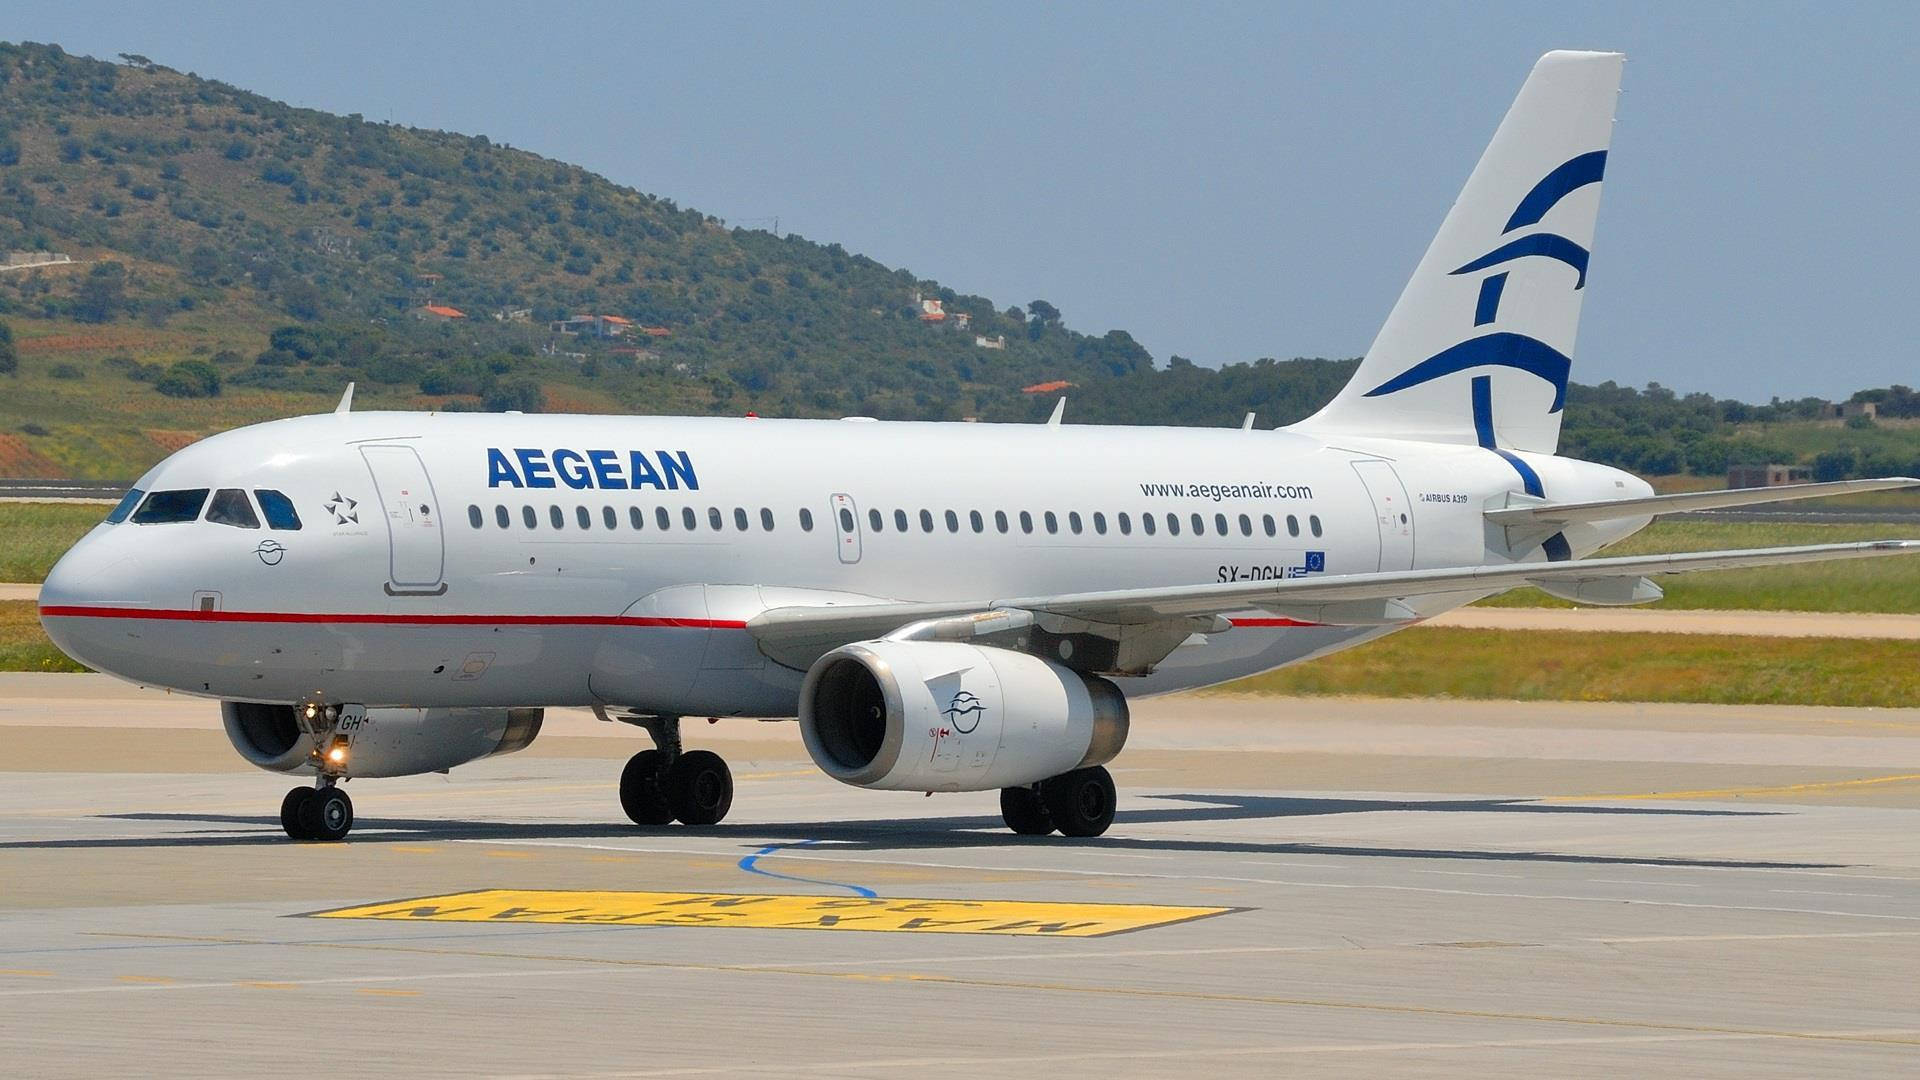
x: 699, y: 787
x: 292, y: 813
x: 327, y: 814
x: 642, y: 793
x: 1024, y: 813
x: 1080, y: 802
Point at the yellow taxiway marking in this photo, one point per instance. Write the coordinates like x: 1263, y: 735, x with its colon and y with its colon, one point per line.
x: 270, y: 985
x: 27, y: 972
x: 509, y: 854
x: 386, y: 992
x: 1017, y: 917
x: 1713, y: 793
x: 146, y: 978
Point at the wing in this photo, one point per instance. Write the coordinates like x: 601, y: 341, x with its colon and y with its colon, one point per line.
x: 1557, y: 514
x: 1165, y: 615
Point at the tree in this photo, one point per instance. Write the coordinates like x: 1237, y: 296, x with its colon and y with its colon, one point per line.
x: 9, y: 355
x: 102, y: 294
x: 1044, y: 312
x: 189, y: 379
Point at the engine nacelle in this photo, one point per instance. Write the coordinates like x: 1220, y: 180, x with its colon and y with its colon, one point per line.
x: 948, y: 716
x: 377, y: 742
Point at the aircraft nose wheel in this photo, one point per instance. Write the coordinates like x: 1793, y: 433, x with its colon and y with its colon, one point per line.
x: 323, y: 813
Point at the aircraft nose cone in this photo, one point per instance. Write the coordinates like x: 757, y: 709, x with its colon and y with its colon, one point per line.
x: 94, y: 574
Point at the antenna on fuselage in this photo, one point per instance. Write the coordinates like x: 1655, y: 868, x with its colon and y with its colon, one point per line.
x: 1059, y: 410
x: 1247, y: 424
x: 346, y: 401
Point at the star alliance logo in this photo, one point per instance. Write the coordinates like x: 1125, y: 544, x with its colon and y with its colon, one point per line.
x: 343, y: 509
x: 964, y: 712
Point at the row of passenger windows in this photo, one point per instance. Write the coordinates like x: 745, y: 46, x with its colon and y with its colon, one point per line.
x: 741, y: 520
x: 228, y: 506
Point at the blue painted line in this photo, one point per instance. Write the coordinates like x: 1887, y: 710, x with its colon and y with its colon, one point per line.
x: 748, y: 864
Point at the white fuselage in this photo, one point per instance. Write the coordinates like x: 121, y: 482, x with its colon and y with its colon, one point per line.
x: 403, y: 587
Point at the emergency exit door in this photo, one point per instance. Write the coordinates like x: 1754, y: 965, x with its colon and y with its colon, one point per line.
x: 1392, y: 511
x: 846, y: 527
x: 416, y: 547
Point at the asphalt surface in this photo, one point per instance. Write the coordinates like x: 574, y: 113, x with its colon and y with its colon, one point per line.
x: 1357, y: 888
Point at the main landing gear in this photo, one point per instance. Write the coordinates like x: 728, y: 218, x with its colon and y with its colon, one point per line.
x: 667, y: 784
x: 1079, y: 803
x: 322, y: 812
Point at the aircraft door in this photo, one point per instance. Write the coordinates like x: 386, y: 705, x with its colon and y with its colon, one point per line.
x: 1392, y: 511
x: 417, y: 553
x: 846, y: 527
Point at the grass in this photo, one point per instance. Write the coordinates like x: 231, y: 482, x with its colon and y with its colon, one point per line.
x: 24, y: 645
x: 1861, y: 585
x: 1572, y: 666
x: 33, y: 536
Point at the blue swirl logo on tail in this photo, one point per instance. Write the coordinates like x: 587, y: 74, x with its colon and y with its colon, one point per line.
x: 1505, y: 348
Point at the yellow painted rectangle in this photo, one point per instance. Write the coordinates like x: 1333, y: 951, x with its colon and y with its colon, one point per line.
x: 1016, y: 917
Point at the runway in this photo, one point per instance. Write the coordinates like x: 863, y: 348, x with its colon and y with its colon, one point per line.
x: 1386, y: 888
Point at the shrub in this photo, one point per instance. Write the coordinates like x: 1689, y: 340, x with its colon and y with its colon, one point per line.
x: 189, y: 379
x: 67, y: 371
x: 33, y: 429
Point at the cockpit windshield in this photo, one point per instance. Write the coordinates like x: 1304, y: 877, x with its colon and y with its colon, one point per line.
x: 278, y: 508
x: 127, y: 502
x: 230, y: 507
x: 166, y: 507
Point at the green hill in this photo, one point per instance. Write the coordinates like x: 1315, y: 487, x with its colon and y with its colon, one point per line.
x: 236, y: 259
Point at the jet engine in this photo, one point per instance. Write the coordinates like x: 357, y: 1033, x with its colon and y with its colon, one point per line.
x: 374, y: 742
x: 949, y: 716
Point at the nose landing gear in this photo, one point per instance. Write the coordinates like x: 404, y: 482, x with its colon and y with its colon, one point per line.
x: 666, y: 783
x: 322, y: 812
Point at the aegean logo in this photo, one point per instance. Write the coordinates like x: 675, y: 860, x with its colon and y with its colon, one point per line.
x: 1504, y: 348
x: 964, y: 712
x: 608, y: 470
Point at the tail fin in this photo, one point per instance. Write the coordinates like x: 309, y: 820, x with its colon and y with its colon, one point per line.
x: 1478, y: 348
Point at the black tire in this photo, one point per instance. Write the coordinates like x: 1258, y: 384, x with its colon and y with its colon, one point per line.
x: 327, y: 814
x: 700, y: 787
x: 292, y: 810
x: 642, y: 793
x: 1080, y: 802
x: 1024, y: 813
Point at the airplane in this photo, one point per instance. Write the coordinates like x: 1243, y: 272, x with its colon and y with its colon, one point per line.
x: 942, y: 606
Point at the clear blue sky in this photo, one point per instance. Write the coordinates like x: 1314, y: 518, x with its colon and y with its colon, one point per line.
x: 1223, y: 181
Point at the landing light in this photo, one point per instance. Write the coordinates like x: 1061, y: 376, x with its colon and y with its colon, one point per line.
x: 337, y: 753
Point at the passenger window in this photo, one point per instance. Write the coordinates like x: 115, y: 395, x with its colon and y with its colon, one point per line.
x: 127, y: 502
x: 1073, y: 521
x: 926, y: 521
x: 1199, y: 525
x: 473, y: 516
x: 1147, y: 522
x: 1000, y: 520
x: 1173, y: 523
x: 500, y: 517
x: 953, y: 522
x: 806, y: 520
x: 610, y: 516
x: 740, y: 518
x: 715, y: 518
x: 584, y: 516
x: 527, y: 515
x: 230, y: 507
x: 1266, y: 522
x: 1026, y: 522
x: 1220, y: 524
x: 1126, y: 524
x: 1053, y: 523
x: 688, y: 518
x: 663, y: 519
x: 875, y: 521
x: 766, y: 519
x: 1313, y: 522
x: 278, y: 510
x: 1100, y: 523
x: 1293, y: 525
x: 168, y: 507
x: 1246, y: 525
x: 557, y: 516
x: 846, y: 520
x: 636, y: 518
x: 900, y: 521
x: 979, y: 523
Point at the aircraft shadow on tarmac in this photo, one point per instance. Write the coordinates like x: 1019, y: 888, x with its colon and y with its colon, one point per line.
x: 910, y: 834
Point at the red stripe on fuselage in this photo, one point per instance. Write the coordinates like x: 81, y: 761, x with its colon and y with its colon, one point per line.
x: 389, y: 619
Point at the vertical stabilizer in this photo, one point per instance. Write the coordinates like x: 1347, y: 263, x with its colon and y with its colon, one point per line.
x: 1478, y: 347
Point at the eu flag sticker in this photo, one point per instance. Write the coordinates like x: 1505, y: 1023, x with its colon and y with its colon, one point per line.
x: 1316, y: 562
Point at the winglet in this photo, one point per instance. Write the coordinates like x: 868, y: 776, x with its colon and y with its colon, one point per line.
x: 1059, y: 410
x: 346, y: 401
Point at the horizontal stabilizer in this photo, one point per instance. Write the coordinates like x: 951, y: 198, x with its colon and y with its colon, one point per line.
x: 1566, y: 513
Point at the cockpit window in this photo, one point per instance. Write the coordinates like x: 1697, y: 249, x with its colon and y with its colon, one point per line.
x: 230, y: 507
x: 166, y: 507
x: 127, y: 502
x: 279, y: 509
